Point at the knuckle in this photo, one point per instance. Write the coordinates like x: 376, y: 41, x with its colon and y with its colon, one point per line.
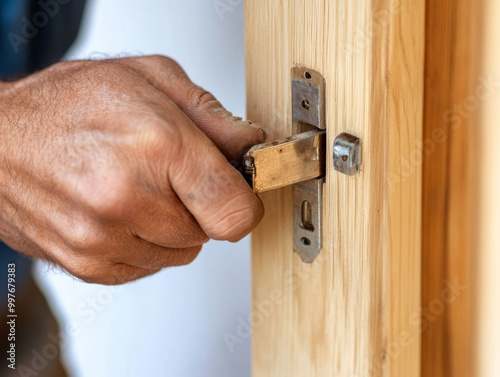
x: 163, y: 63
x: 83, y: 269
x: 107, y: 195
x: 100, y: 272
x: 121, y: 273
x: 109, y: 76
x: 170, y: 257
x: 159, y: 140
x: 189, y: 255
x: 97, y: 277
x: 82, y: 237
x: 159, y: 131
x: 88, y: 276
x: 181, y: 257
x: 161, y: 60
x: 199, y: 97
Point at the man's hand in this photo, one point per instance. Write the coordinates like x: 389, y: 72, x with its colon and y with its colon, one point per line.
x: 115, y: 169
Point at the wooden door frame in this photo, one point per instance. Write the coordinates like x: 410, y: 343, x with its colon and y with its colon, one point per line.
x: 354, y: 311
x: 452, y: 51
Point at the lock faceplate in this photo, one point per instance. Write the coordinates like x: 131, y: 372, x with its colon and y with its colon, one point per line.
x: 308, y: 218
x: 308, y: 113
x: 308, y: 100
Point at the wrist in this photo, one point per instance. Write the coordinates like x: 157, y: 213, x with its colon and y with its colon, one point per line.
x: 5, y: 110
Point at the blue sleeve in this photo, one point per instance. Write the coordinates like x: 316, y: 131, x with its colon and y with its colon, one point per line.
x: 36, y: 33
x: 12, y: 62
x: 33, y: 35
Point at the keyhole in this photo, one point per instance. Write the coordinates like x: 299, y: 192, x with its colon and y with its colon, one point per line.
x: 306, y: 218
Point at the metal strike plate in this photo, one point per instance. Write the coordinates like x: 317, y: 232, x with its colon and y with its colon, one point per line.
x: 308, y: 112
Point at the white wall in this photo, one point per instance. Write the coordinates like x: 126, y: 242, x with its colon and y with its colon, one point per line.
x: 171, y: 324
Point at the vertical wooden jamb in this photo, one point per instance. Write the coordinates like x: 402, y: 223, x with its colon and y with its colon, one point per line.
x: 451, y: 78
x: 351, y: 312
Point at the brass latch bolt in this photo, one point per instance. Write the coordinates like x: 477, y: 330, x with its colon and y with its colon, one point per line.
x: 286, y: 161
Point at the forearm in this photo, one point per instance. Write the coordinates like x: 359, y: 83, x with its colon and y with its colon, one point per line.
x: 10, y: 119
x: 5, y: 104
x: 3, y: 120
x: 5, y: 130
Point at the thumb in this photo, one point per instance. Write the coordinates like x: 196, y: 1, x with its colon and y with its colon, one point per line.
x: 211, y: 189
x: 232, y: 136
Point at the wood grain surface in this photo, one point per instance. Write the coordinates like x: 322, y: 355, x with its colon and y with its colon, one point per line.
x: 451, y: 56
x: 355, y: 310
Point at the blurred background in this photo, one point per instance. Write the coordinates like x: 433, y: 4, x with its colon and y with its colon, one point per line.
x: 171, y: 324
